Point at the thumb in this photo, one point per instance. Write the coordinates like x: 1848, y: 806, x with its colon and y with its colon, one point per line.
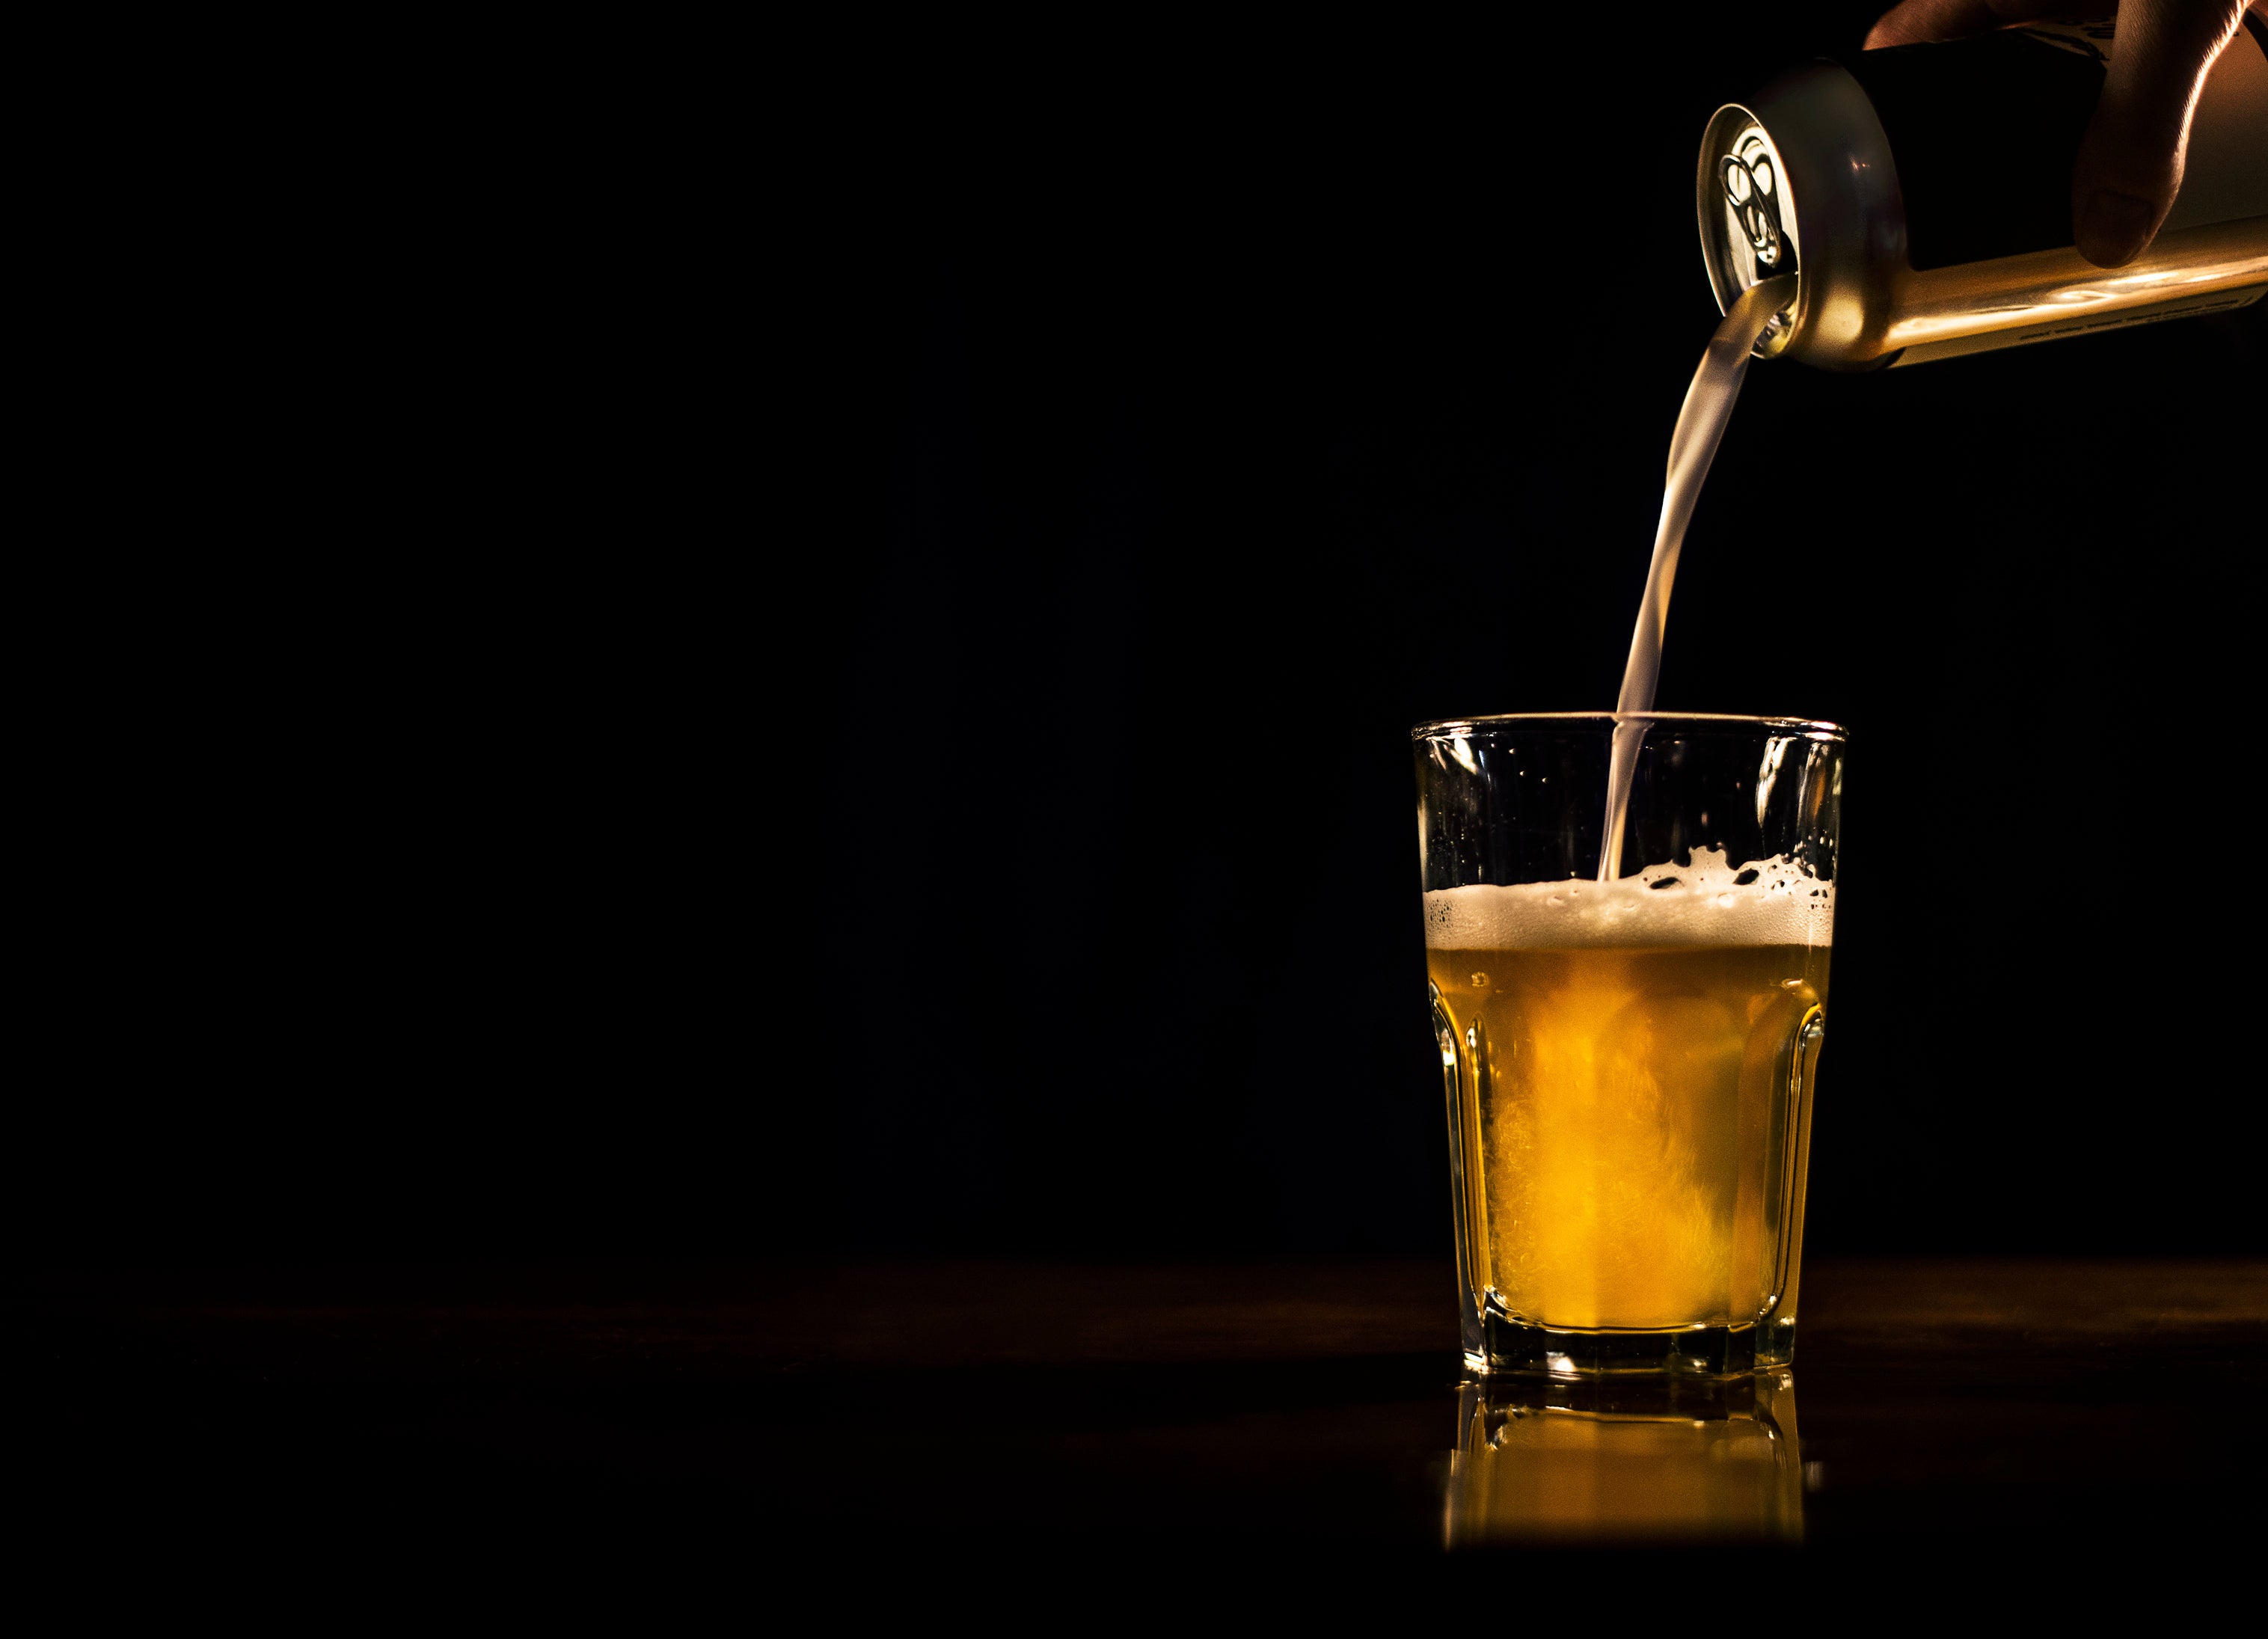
x: 2129, y: 163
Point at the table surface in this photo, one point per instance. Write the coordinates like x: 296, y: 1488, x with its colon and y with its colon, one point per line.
x: 1312, y: 1404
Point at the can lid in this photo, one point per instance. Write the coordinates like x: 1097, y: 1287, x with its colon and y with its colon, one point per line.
x: 1748, y: 219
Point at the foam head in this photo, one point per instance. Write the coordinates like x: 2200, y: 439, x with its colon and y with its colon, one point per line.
x: 1709, y: 902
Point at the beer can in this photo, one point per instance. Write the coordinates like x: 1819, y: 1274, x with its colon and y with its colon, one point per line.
x: 1921, y: 195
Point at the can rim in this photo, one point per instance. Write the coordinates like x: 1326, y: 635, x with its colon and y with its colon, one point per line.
x: 1463, y: 727
x: 1718, y: 139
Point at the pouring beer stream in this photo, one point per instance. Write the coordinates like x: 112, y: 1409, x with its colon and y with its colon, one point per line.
x: 1701, y: 425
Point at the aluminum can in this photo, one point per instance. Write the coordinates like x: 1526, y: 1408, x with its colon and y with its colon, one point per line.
x: 1921, y: 195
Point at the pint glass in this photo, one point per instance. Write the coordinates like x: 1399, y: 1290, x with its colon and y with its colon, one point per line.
x: 1629, y: 1053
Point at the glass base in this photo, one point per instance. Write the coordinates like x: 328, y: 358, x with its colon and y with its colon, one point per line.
x: 1507, y: 1345
x: 1643, y: 1395
x: 1655, y: 1459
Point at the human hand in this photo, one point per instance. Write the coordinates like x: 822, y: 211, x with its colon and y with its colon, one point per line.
x: 2130, y: 163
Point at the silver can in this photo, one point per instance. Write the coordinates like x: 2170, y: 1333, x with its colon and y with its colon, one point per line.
x: 1921, y: 196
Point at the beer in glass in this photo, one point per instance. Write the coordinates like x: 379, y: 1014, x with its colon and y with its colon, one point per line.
x: 1628, y: 1045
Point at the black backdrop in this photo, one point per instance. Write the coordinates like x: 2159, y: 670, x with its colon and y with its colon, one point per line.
x: 859, y: 703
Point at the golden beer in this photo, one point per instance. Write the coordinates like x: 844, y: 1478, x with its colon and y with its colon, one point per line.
x: 1618, y: 1128
x: 1631, y: 1091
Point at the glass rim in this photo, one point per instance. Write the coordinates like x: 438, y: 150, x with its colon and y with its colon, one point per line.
x: 1461, y: 728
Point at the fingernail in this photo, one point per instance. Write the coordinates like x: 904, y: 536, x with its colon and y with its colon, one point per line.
x: 2114, y: 228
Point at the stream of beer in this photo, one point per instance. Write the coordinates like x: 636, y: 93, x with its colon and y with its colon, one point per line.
x: 1700, y: 428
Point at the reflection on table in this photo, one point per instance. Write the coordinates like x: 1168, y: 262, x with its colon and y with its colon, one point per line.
x: 1643, y: 1460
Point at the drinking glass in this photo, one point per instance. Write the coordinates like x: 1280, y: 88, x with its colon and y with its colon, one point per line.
x: 1629, y: 1056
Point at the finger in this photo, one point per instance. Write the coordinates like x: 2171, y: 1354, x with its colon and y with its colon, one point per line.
x: 2129, y: 163
x: 1916, y: 21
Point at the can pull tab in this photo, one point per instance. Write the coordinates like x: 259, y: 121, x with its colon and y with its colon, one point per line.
x: 1752, y: 189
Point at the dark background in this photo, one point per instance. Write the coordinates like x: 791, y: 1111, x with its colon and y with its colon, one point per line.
x: 847, y: 692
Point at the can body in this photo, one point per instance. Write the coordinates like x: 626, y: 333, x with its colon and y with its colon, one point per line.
x: 1922, y: 196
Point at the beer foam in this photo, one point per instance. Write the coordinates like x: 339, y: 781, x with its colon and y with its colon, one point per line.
x: 1709, y: 902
